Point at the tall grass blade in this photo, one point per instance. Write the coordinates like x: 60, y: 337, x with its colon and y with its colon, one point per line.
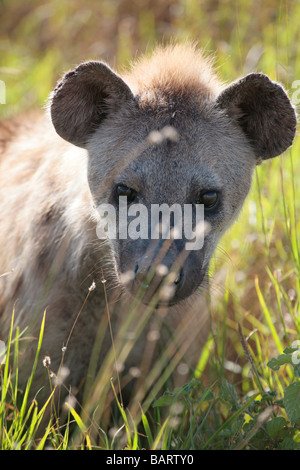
x: 267, y: 316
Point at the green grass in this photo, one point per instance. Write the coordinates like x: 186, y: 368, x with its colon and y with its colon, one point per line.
x: 197, y: 418
x: 245, y: 390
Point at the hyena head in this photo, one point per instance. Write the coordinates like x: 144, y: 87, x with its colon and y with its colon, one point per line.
x: 169, y: 135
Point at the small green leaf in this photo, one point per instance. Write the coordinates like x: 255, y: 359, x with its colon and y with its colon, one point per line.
x: 228, y: 394
x: 237, y: 425
x: 289, y: 350
x: 291, y: 402
x: 275, y: 363
x: 165, y: 400
x: 288, y: 444
x: 275, y: 426
x: 297, y: 370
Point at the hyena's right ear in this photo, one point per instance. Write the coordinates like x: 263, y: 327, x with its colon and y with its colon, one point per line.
x: 83, y: 98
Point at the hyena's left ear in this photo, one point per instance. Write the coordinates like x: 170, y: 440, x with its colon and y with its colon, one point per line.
x: 263, y: 110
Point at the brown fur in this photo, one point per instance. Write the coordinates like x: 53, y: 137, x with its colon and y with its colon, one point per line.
x: 182, y: 71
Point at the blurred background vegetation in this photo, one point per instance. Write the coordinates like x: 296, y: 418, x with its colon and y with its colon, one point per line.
x: 39, y: 40
x: 257, y: 266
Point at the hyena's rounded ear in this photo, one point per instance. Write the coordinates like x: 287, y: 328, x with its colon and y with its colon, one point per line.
x: 263, y: 110
x: 83, y: 98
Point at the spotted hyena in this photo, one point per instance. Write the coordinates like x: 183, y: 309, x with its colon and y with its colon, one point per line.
x: 167, y: 132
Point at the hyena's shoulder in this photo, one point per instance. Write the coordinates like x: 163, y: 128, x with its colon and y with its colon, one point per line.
x: 44, y: 198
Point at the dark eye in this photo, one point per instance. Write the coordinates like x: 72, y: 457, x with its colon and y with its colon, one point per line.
x: 209, y: 199
x: 122, y: 190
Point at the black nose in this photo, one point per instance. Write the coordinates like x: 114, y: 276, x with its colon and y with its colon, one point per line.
x: 159, y: 278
